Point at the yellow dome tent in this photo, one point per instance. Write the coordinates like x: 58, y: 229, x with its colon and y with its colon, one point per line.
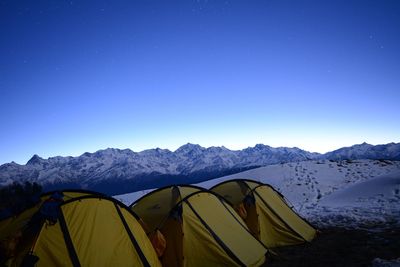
x: 14, y: 223
x: 265, y: 212
x: 200, y: 229
x: 78, y: 228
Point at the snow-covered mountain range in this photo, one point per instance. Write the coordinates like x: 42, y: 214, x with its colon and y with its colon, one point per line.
x: 115, y: 171
x: 389, y: 151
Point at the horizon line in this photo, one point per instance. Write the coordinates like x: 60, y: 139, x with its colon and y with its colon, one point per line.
x: 189, y: 143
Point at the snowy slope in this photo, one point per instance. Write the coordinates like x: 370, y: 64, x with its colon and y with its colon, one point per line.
x: 129, y: 198
x: 366, y: 204
x: 383, y: 191
x: 321, y: 189
x: 304, y: 183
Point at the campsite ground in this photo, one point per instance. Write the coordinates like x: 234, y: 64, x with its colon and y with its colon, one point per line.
x: 341, y: 198
x: 342, y: 247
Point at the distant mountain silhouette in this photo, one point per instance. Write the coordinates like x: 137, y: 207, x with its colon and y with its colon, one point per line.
x: 115, y: 171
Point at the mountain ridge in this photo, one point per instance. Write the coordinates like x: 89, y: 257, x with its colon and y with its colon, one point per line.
x: 126, y: 170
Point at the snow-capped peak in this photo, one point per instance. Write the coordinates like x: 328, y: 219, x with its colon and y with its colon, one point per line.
x: 35, y: 160
x: 109, y: 167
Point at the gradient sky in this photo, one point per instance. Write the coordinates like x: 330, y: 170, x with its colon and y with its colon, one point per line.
x: 80, y: 76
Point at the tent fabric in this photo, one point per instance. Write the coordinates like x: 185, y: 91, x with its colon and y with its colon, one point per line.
x: 12, y: 228
x: 159, y: 243
x: 269, y: 217
x: 90, y: 230
x: 291, y: 225
x: 12, y: 225
x: 173, y: 233
x: 245, y: 249
x: 156, y: 206
x: 241, y: 210
x: 200, y: 229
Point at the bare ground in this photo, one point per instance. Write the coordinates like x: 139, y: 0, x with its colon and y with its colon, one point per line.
x: 341, y: 247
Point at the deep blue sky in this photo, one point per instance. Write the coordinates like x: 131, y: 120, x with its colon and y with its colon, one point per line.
x: 80, y: 76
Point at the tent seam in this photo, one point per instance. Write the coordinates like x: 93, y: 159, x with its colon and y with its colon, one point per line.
x: 243, y: 225
x: 132, y: 238
x: 215, y: 236
x: 280, y: 218
x: 68, y: 240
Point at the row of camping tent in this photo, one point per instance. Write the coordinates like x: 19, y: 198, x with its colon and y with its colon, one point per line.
x: 235, y: 223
